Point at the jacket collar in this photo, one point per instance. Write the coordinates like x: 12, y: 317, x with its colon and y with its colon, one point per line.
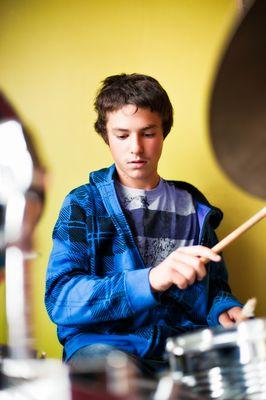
x: 103, y: 176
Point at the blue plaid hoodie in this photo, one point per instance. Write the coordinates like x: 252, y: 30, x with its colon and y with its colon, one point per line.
x: 97, y: 288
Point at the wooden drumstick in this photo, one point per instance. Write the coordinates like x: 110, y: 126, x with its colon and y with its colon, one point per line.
x: 237, y: 232
x: 248, y: 309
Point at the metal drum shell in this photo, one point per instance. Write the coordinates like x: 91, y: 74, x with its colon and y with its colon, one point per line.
x: 203, y: 350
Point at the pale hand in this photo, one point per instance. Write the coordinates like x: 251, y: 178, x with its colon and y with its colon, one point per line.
x: 230, y: 317
x: 182, y: 268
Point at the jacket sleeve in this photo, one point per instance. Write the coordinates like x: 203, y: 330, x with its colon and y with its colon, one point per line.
x: 220, y: 295
x: 75, y: 294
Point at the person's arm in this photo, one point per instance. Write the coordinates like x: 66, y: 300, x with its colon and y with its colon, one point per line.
x: 183, y: 267
x: 74, y: 293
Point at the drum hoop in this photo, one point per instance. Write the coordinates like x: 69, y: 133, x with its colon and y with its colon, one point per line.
x: 207, y: 339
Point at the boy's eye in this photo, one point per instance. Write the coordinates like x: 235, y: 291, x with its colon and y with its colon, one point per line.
x: 149, y: 135
x: 121, y: 137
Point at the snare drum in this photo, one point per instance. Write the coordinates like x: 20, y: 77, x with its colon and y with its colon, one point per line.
x: 222, y: 363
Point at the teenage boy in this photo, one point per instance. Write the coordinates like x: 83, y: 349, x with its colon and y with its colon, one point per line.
x: 125, y: 270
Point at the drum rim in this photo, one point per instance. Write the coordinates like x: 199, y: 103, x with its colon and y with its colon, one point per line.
x: 206, y: 339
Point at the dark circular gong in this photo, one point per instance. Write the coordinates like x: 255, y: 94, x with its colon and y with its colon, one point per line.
x: 238, y: 104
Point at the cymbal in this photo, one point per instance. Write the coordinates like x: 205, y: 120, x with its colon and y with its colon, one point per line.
x: 238, y: 104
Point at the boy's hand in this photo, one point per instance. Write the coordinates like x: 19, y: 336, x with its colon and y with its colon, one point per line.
x: 181, y: 268
x: 230, y: 317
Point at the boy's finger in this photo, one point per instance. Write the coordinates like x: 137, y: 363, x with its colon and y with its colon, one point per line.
x: 191, y: 261
x: 225, y: 320
x: 200, y: 251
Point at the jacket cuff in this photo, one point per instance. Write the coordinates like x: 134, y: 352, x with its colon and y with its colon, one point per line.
x: 138, y: 290
x: 219, y: 306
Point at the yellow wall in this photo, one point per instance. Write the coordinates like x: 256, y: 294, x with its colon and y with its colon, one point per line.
x: 53, y: 55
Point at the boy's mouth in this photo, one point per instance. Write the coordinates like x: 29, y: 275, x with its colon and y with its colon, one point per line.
x: 137, y: 163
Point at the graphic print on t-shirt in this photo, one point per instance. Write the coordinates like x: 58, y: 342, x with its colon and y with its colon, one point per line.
x: 161, y: 219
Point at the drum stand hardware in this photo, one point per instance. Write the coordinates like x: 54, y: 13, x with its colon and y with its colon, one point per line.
x: 21, y: 202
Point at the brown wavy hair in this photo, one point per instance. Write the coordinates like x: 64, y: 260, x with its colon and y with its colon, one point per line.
x: 141, y: 90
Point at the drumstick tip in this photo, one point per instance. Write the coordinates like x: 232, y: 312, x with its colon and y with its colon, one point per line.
x: 248, y: 309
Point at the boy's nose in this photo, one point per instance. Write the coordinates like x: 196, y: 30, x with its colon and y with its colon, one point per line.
x: 136, y: 146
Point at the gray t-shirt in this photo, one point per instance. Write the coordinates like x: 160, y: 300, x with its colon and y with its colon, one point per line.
x: 161, y: 219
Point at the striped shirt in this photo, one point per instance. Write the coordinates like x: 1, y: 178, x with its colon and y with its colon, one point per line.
x: 161, y: 219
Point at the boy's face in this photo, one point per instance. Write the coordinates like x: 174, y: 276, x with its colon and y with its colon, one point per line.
x: 135, y: 137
